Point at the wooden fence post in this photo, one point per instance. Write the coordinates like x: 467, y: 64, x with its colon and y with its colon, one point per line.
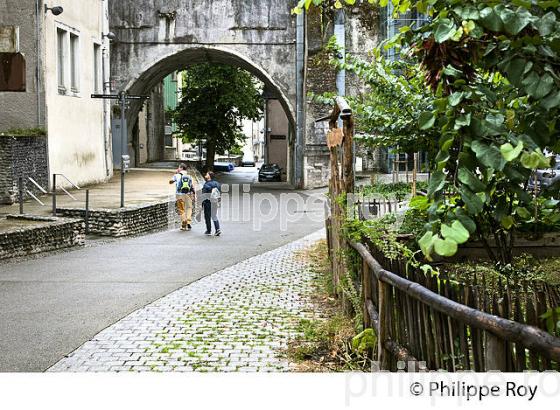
x: 384, y: 304
x: 495, y: 357
x: 366, y: 292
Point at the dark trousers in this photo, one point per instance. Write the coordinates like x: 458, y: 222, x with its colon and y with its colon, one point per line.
x: 210, y: 214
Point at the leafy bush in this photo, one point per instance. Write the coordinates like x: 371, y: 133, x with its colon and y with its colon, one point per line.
x: 492, y: 68
x: 397, y: 190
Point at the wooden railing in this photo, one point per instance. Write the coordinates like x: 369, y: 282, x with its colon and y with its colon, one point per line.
x: 417, y: 323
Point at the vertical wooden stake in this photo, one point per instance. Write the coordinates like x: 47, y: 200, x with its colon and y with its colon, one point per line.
x: 406, y: 166
x: 495, y: 357
x: 414, y: 174
x: 384, y: 324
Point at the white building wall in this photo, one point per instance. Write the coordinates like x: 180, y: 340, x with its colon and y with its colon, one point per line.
x: 75, y: 121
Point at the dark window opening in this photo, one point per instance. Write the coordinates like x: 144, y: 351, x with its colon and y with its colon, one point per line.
x: 12, y: 72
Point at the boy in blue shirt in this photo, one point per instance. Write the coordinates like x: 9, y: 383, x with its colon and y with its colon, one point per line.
x: 211, y: 199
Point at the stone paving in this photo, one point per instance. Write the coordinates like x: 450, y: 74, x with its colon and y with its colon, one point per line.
x: 237, y: 319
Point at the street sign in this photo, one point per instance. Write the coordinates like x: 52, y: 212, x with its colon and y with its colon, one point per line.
x: 106, y: 96
x: 125, y: 162
x: 117, y: 96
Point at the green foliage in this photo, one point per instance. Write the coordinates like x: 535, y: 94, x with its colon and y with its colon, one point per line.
x: 413, y: 222
x: 25, y: 132
x: 396, y: 101
x: 552, y: 320
x: 396, y: 190
x: 364, y: 341
x: 215, y: 100
x: 492, y: 67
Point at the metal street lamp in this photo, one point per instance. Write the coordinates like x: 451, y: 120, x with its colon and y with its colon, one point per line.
x: 56, y: 10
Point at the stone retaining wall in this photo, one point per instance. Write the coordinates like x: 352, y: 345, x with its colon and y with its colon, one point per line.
x: 22, y: 157
x: 56, y: 233
x: 126, y: 221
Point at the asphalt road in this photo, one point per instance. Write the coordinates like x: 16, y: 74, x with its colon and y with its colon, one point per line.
x: 52, y: 304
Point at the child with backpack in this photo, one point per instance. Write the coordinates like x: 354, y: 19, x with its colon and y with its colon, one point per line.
x: 211, y: 194
x: 185, y: 196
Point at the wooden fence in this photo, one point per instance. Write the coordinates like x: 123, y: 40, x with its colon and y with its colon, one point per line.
x: 456, y: 326
x: 421, y: 318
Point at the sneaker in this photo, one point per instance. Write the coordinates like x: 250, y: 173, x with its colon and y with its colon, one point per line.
x: 189, y: 227
x: 218, y: 232
x: 183, y: 228
x: 207, y: 233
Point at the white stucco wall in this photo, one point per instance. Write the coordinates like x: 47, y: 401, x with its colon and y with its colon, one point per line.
x: 75, y: 121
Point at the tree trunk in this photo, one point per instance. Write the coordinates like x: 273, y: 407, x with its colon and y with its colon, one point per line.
x: 210, y: 153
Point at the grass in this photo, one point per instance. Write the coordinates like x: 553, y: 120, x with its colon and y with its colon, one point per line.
x: 325, y: 343
x: 24, y: 132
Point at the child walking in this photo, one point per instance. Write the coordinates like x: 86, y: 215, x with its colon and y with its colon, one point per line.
x: 211, y: 194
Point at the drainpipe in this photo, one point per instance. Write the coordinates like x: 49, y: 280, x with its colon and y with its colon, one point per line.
x: 105, y: 69
x: 340, y: 36
x: 301, y: 52
x: 38, y: 68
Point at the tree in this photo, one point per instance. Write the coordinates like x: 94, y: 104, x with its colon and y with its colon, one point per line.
x: 493, y: 70
x: 394, y: 98
x: 214, y: 101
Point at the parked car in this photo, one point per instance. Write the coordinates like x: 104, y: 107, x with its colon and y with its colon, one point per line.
x: 270, y: 172
x: 247, y: 161
x: 546, y: 178
x: 223, y: 166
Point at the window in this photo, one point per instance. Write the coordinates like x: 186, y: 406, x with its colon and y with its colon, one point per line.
x: 12, y: 72
x: 97, y: 68
x: 61, y: 59
x: 74, y: 63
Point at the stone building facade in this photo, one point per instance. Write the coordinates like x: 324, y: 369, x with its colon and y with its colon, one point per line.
x: 65, y: 57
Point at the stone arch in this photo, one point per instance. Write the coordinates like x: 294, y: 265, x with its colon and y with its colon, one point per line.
x: 151, y: 73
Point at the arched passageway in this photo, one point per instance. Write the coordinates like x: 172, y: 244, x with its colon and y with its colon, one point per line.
x: 279, y: 114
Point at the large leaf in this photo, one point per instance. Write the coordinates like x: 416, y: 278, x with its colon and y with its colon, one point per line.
x: 426, y: 120
x: 455, y: 98
x: 444, y: 30
x: 509, y: 152
x: 551, y: 101
x: 546, y: 24
x: 455, y: 232
x: 426, y: 243
x: 534, y: 160
x: 488, y: 155
x: 515, y: 69
x: 437, y: 181
x: 538, y: 86
x: 472, y: 201
x: 469, y: 179
x: 463, y: 120
x: 490, y: 19
x: 445, y: 247
x: 467, y: 12
x: 507, y: 221
x: 465, y: 220
x: 515, y: 21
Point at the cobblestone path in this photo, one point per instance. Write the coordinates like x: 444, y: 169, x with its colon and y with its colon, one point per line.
x: 237, y: 319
